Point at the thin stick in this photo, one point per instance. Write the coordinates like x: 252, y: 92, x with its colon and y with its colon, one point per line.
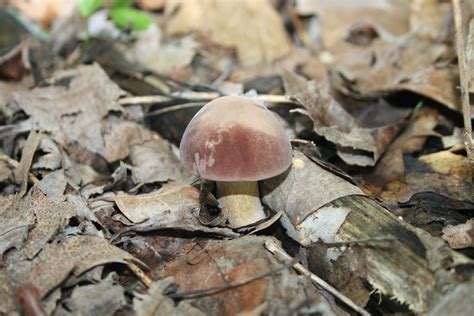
x: 217, y: 289
x: 278, y: 251
x: 146, y: 280
x: 197, y: 97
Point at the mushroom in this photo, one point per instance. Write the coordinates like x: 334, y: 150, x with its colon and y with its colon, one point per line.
x: 236, y: 142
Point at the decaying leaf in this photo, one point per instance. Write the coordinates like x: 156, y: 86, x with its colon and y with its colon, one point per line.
x: 223, y: 21
x: 337, y: 16
x: 460, y: 236
x: 154, y: 161
x: 53, y: 184
x: 407, y: 63
x: 74, y: 114
x: 103, y: 298
x: 304, y: 189
x: 226, y: 263
x: 7, y: 293
x: 75, y: 254
x: 43, y: 215
x: 154, y: 302
x: 174, y: 207
x: 429, y: 18
x: 443, y: 172
x: 360, y: 139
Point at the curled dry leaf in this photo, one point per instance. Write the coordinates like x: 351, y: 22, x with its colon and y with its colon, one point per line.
x: 223, y: 21
x: 360, y: 139
x: 304, y: 189
x: 75, y: 254
x: 460, y: 236
x: 174, y: 207
x: 406, y: 63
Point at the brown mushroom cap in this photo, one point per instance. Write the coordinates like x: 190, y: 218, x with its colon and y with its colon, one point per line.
x: 234, y: 139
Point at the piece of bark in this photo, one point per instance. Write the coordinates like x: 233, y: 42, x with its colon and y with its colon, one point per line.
x: 415, y: 269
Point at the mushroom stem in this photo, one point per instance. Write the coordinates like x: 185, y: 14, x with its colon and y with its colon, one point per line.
x: 241, y: 200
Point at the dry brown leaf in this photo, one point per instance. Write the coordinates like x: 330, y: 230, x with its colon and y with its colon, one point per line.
x: 103, y: 298
x: 43, y: 215
x: 429, y: 18
x: 392, y: 166
x: 7, y: 293
x: 44, y: 12
x: 154, y: 161
x: 301, y: 191
x: 75, y: 254
x: 407, y: 62
x: 228, y: 23
x: 173, y: 207
x: 445, y: 173
x: 361, y: 132
x: 221, y: 263
x: 154, y: 302
x: 53, y: 184
x: 337, y: 16
x: 73, y: 115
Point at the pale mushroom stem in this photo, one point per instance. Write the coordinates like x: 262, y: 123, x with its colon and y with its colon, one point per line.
x: 241, y: 200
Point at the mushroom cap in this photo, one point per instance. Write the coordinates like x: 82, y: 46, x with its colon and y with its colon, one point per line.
x: 233, y: 138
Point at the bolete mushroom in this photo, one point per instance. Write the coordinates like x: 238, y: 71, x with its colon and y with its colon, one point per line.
x: 236, y: 142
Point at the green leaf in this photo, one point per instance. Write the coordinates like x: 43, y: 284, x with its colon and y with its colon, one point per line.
x: 121, y: 3
x: 87, y: 7
x: 130, y: 18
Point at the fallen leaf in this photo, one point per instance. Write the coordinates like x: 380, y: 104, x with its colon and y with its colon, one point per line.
x: 428, y: 18
x: 154, y: 161
x: 223, y: 263
x: 75, y: 254
x: 445, y: 173
x: 337, y: 16
x: 154, y: 302
x: 53, y: 184
x: 304, y: 189
x: 169, y: 208
x: 7, y: 293
x: 223, y: 21
x: 103, y: 298
x: 74, y: 114
x: 359, y: 138
x: 406, y: 63
x: 43, y: 215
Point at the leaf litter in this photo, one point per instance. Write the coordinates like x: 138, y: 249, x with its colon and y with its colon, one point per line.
x: 99, y: 216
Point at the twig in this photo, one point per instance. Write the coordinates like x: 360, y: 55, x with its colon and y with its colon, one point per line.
x: 278, y: 251
x: 196, y: 97
x: 146, y: 280
x: 217, y: 289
